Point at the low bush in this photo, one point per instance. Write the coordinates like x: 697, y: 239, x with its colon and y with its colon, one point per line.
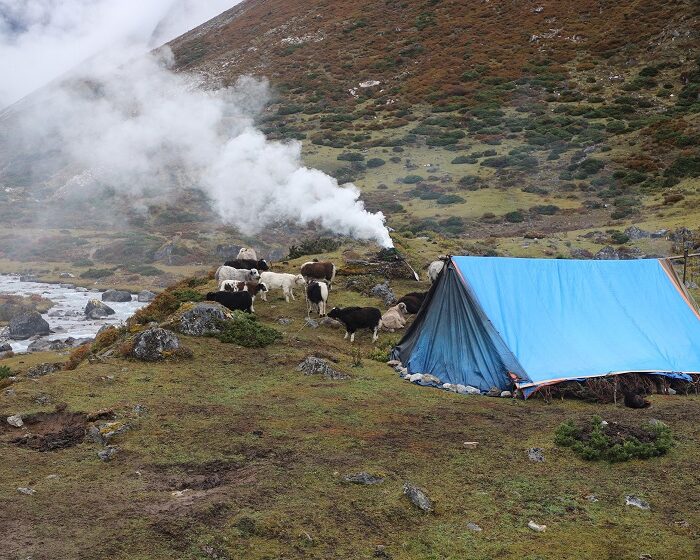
x: 5, y: 372
x: 244, y: 329
x: 514, y: 217
x: 613, y: 442
x: 450, y: 199
x: 97, y: 273
x: 313, y: 247
x: 375, y: 162
x: 412, y: 179
x: 77, y: 356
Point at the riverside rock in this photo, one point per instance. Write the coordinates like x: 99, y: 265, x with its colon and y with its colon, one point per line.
x: 27, y: 325
x: 152, y: 344
x: 116, y: 296
x: 95, y: 309
x: 145, y: 296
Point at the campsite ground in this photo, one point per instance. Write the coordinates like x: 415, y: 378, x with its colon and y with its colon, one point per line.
x: 238, y: 455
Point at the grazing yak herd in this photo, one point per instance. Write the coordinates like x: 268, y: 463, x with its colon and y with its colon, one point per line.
x: 243, y: 279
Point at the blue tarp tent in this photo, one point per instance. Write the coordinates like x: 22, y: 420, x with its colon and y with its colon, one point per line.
x: 491, y: 321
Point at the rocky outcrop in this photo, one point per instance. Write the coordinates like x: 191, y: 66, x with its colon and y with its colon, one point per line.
x: 116, y: 296
x: 384, y: 292
x: 95, y: 309
x: 203, y: 319
x: 318, y: 366
x: 154, y: 344
x: 146, y: 296
x: 27, y: 325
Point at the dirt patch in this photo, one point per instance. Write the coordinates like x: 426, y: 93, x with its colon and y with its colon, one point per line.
x: 47, y: 431
x: 619, y: 433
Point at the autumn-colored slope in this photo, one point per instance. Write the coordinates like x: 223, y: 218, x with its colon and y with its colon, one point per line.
x: 420, y: 51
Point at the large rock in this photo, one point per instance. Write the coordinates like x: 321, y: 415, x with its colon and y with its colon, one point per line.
x: 152, y: 344
x: 146, y: 296
x: 116, y: 295
x: 607, y: 253
x: 634, y: 233
x: 27, y: 325
x: 418, y: 497
x: 318, y: 366
x: 203, y: 319
x: 95, y: 309
x: 384, y: 292
x: 43, y: 369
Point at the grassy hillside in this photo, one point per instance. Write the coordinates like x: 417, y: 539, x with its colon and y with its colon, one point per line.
x: 234, y: 453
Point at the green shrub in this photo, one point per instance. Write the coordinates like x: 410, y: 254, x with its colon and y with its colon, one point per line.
x: 83, y: 262
x: 313, y: 246
x: 546, y: 209
x: 514, y: 217
x: 5, y: 372
x: 244, y: 329
x: 619, y: 238
x: 96, y: 273
x: 350, y: 156
x: 464, y: 159
x: 412, y: 179
x: 450, y: 199
x: 375, y: 162
x: 614, y: 442
x: 187, y: 294
x: 144, y: 269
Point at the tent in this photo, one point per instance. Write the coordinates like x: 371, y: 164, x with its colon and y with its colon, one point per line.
x: 493, y: 321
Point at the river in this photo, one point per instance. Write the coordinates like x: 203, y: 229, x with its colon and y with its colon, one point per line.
x: 66, y: 318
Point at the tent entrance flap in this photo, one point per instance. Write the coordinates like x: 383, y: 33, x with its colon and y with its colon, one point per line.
x: 453, y: 339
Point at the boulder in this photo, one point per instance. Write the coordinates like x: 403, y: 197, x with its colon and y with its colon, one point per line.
x: 318, y: 366
x: 634, y: 501
x: 5, y: 347
x: 418, y: 497
x: 107, y: 454
x: 66, y: 275
x: 634, y: 233
x: 384, y: 292
x: 203, y: 319
x: 152, y: 344
x: 494, y: 392
x: 116, y: 296
x: 95, y: 309
x: 43, y: 369
x: 583, y: 254
x: 607, y: 253
x: 146, y: 296
x: 27, y: 325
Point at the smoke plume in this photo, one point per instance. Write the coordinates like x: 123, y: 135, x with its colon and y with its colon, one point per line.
x: 40, y: 40
x: 142, y: 129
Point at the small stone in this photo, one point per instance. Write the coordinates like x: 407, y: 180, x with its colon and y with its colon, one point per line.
x: 535, y: 527
x: 363, y: 478
x: 592, y: 498
x: 429, y: 379
x: 506, y: 394
x: 139, y: 410
x: 471, y: 444
x: 415, y: 377
x: 285, y: 321
x: 26, y: 490
x: 15, y: 421
x: 52, y: 477
x: 645, y: 556
x: 380, y: 552
x: 467, y: 390
x: 328, y: 322
x: 535, y: 454
x: 634, y: 501
x: 474, y: 527
x: 657, y: 422
x: 311, y: 323
x: 671, y: 391
x: 93, y: 434
x: 418, y: 497
x: 393, y: 363
x: 494, y: 392
x: 107, y: 454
